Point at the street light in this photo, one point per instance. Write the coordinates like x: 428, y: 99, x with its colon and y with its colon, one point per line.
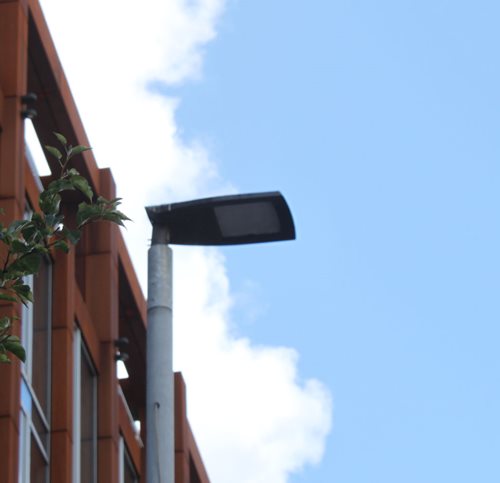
x: 223, y: 220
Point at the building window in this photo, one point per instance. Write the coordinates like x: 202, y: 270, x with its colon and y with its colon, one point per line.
x: 84, y: 414
x: 34, y: 418
x: 127, y: 473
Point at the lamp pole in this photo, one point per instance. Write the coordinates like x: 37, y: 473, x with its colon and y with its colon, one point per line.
x: 160, y: 448
x: 224, y: 220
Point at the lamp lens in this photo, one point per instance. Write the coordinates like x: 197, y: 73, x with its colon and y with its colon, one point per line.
x: 257, y: 218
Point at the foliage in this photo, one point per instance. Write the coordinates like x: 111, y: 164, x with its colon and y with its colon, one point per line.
x: 27, y: 241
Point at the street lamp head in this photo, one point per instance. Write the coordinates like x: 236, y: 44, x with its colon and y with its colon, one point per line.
x: 225, y: 220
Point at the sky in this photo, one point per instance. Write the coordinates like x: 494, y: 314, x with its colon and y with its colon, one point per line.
x: 367, y: 349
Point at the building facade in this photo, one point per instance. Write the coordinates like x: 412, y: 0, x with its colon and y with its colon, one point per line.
x: 64, y: 414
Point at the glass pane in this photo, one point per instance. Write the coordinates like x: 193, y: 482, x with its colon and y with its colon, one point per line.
x: 26, y: 401
x: 24, y: 448
x: 88, y: 426
x: 39, y: 468
x: 41, y: 336
x: 26, y: 323
x: 27, y: 331
x: 40, y: 428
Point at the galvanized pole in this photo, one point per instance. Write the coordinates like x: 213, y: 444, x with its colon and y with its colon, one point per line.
x: 160, y: 449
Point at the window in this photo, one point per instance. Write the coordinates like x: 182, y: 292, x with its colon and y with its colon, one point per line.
x: 127, y: 473
x: 84, y: 414
x: 34, y: 421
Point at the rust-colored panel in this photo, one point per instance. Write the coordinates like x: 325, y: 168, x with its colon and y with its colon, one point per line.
x: 107, y: 186
x: 101, y: 289
x: 12, y: 210
x: 87, y: 327
x: 13, y: 48
x: 12, y: 152
x: 63, y: 290
x: 107, y: 460
x: 186, y: 449
x: 10, y: 389
x: 45, y: 37
x: 9, y: 450
x: 181, y: 436
x: 61, y: 457
x: 100, y: 237
x: 1, y: 108
x: 181, y: 467
x: 10, y: 375
x: 62, y: 379
x: 23, y: 3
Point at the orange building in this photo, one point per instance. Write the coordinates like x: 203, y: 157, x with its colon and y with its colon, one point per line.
x: 65, y: 417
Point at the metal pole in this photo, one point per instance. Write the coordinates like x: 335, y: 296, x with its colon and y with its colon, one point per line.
x: 160, y: 449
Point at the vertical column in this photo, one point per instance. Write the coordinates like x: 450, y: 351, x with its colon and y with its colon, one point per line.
x: 101, y: 296
x: 63, y: 313
x: 13, y: 82
x: 13, y: 75
x: 159, y: 373
x: 181, y: 437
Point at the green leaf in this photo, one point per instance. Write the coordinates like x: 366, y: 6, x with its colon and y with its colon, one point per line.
x: 13, y: 345
x: 73, y: 236
x: 5, y: 323
x: 23, y: 292
x: 87, y: 212
x: 61, y: 138
x: 9, y: 298
x: 81, y: 184
x: 30, y: 232
x: 49, y: 202
x: 3, y: 357
x: 53, y: 221
x: 116, y: 217
x: 26, y: 264
x: 79, y: 149
x: 54, y: 151
x: 37, y: 220
x: 17, y: 226
x: 61, y: 245
x: 59, y: 185
x: 19, y: 246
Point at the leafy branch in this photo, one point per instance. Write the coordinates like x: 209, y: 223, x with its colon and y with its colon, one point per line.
x: 27, y: 241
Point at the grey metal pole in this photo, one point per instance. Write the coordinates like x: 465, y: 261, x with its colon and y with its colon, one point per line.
x: 160, y: 449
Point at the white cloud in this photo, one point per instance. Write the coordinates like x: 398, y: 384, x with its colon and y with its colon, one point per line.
x: 251, y: 413
x: 254, y: 419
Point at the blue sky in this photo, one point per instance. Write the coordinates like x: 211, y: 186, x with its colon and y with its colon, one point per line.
x: 379, y: 122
